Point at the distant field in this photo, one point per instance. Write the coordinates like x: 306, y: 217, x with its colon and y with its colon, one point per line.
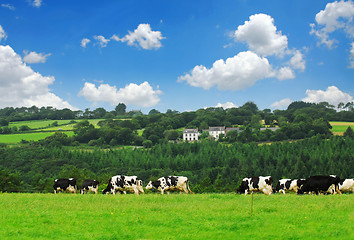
x: 16, y: 138
x: 338, y: 128
x: 45, y: 124
x: 37, y: 123
x: 193, y: 216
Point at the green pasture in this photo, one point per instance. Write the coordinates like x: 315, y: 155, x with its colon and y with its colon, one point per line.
x: 193, y: 216
x: 34, y: 136
x: 46, y: 124
x: 37, y: 124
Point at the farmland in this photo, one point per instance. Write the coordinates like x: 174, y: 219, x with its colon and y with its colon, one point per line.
x: 41, y: 129
x: 198, y: 216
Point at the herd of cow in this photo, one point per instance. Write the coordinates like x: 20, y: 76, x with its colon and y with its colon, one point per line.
x: 315, y: 184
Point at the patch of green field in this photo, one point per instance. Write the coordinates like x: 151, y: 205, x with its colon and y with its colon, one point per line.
x: 198, y: 216
x: 338, y: 128
x: 16, y: 138
x: 36, y: 124
x: 46, y: 124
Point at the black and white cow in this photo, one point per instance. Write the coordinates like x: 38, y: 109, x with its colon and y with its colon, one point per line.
x: 288, y: 184
x: 263, y: 184
x: 346, y: 185
x: 65, y: 184
x: 123, y: 184
x: 318, y: 184
x: 89, y: 186
x: 170, y: 183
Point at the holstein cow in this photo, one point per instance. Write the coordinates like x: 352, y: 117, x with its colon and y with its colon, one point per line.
x: 346, y: 185
x: 319, y: 184
x: 122, y: 184
x: 288, y: 184
x: 170, y: 183
x: 263, y: 184
x: 89, y: 186
x: 65, y: 184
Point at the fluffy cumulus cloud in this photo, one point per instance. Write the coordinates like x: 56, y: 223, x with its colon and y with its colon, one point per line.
x: 332, y: 95
x: 226, y: 105
x: 142, y: 95
x: 261, y: 35
x: 246, y: 68
x: 33, y: 57
x: 336, y: 15
x: 238, y: 72
x: 285, y: 73
x: 297, y: 61
x: 2, y: 34
x: 282, y: 104
x: 102, y: 41
x: 84, y: 42
x: 144, y: 37
x: 21, y: 86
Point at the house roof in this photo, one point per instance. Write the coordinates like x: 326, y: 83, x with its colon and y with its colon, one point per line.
x: 217, y: 128
x: 194, y: 130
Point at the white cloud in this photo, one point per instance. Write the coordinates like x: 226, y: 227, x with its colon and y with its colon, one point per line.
x: 2, y: 33
x: 226, y: 105
x: 33, y: 57
x: 37, y: 3
x: 142, y: 95
x: 261, y: 35
x: 102, y: 41
x: 238, y: 72
x: 297, y: 61
x: 21, y: 86
x: 332, y: 95
x: 285, y: 73
x: 9, y: 6
x: 84, y: 42
x: 282, y: 104
x: 351, y: 56
x: 144, y: 37
x: 336, y: 15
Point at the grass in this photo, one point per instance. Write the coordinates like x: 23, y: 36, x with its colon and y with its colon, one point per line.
x: 338, y: 128
x: 16, y: 138
x: 198, y: 216
x: 37, y: 124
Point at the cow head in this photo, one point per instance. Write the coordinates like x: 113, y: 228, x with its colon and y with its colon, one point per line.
x: 149, y: 186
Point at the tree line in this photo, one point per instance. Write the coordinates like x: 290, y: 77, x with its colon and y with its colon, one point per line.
x: 211, y: 166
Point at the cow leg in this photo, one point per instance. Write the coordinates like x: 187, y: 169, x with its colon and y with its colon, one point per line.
x: 136, y: 190
x: 246, y: 191
x: 162, y: 190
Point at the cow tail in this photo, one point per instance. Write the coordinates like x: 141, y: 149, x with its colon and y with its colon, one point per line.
x: 189, y: 188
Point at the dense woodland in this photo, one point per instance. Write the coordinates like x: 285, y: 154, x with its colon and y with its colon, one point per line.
x: 211, y: 166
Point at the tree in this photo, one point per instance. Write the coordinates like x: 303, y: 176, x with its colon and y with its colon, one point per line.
x: 349, y: 132
x: 153, y: 111
x: 147, y: 144
x: 121, y: 109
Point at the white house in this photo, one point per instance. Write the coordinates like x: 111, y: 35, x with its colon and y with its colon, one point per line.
x: 216, y: 131
x: 190, y: 134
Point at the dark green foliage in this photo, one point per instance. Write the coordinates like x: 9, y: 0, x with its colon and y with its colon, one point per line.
x: 210, y: 166
x: 349, y: 133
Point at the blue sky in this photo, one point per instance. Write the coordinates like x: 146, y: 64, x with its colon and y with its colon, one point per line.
x: 181, y: 55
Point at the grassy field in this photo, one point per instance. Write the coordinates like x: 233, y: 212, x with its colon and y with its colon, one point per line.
x: 338, y: 128
x: 37, y: 124
x: 16, y: 138
x: 198, y: 216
